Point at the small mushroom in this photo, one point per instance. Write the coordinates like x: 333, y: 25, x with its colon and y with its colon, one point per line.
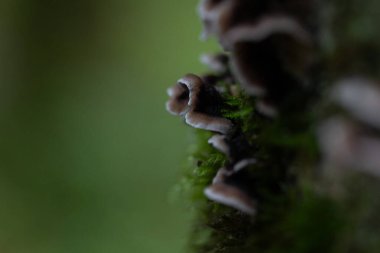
x: 270, y: 56
x: 199, y: 103
x: 243, y: 164
x: 231, y: 187
x: 234, y: 146
x: 266, y: 108
x: 266, y: 27
x: 360, y: 97
x: 213, y: 14
x: 231, y: 196
x: 343, y: 144
x: 222, y: 175
x: 179, y: 98
x: 216, y: 62
x: 219, y: 142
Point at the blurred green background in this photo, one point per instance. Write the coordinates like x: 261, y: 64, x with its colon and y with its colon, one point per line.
x: 88, y: 153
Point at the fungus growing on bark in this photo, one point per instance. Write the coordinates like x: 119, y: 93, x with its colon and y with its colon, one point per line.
x: 268, y: 58
x: 231, y: 196
x: 231, y: 188
x: 219, y: 143
x: 219, y: 16
x: 235, y: 146
x: 199, y: 103
x: 345, y: 144
x: 351, y: 142
x: 360, y: 97
x: 216, y: 62
x: 214, y: 13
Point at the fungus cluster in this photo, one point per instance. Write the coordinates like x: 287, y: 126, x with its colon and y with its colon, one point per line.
x: 351, y: 140
x: 200, y: 104
x: 286, y: 146
x: 267, y: 51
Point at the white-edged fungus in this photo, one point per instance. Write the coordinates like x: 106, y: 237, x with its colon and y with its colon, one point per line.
x: 344, y: 145
x: 216, y: 62
x: 360, y: 97
x: 199, y: 103
x: 231, y: 196
x: 228, y: 187
x: 267, y: 109
x: 219, y: 143
x: 213, y: 14
x: 270, y: 54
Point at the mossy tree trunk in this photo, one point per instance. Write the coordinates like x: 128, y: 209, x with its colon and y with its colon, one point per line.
x: 306, y: 199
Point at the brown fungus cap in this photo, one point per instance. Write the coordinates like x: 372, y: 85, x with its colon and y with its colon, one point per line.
x: 269, y: 57
x: 229, y: 187
x: 231, y: 196
x: 219, y: 16
x: 216, y: 62
x: 200, y: 104
x: 360, y: 97
x: 214, y: 15
x: 344, y: 144
x: 235, y: 146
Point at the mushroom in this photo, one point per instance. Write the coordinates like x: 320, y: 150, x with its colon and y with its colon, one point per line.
x: 231, y: 187
x: 216, y: 62
x: 231, y: 196
x: 219, y: 16
x: 234, y: 146
x: 268, y: 57
x: 199, y: 103
x: 360, y: 97
x: 219, y: 142
x: 266, y: 108
x: 343, y: 144
x: 213, y: 14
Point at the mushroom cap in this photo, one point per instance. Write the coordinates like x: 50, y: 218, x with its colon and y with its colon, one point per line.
x: 206, y: 122
x: 360, y: 97
x: 270, y: 56
x: 216, y: 62
x: 231, y: 196
x: 266, y: 27
x: 219, y: 143
x: 214, y: 15
x: 243, y: 164
x: 178, y: 102
x: 222, y: 174
x: 199, y: 102
x: 266, y: 108
x: 344, y: 145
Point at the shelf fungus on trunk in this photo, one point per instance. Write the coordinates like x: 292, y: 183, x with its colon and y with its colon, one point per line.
x: 216, y: 62
x: 347, y: 145
x: 352, y: 141
x: 219, y: 16
x: 214, y: 14
x: 199, y: 103
x: 232, y: 187
x: 235, y: 146
x: 270, y: 59
x: 361, y: 97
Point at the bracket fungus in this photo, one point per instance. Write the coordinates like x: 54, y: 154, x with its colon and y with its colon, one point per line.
x: 216, y: 62
x: 351, y: 142
x: 269, y: 59
x: 361, y: 97
x: 234, y: 146
x: 214, y: 14
x: 199, y: 103
x: 231, y: 188
x: 344, y: 144
x: 262, y: 101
